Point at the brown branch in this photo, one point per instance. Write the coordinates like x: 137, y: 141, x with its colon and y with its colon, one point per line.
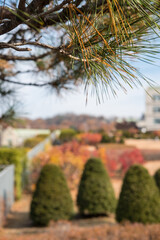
x: 77, y: 58
x: 37, y: 44
x: 60, y: 49
x: 21, y: 5
x: 14, y: 46
x: 7, y: 27
x: 30, y: 58
x: 58, y: 84
x: 36, y: 6
x: 63, y: 16
x: 56, y: 8
x: 49, y: 18
x: 5, y: 13
x: 27, y: 84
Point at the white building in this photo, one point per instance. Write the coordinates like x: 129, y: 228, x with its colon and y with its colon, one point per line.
x: 16, y: 136
x: 152, y: 110
x: 152, y: 115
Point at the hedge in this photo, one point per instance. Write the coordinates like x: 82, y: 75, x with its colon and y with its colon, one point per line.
x: 19, y: 159
x: 67, y: 135
x: 32, y: 142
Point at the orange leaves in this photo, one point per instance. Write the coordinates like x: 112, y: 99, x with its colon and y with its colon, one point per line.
x: 89, y: 138
x: 72, y: 156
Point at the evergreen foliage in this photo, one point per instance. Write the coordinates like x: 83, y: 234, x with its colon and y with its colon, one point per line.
x: 139, y: 199
x: 107, y: 139
x: 32, y: 142
x: 51, y: 199
x: 19, y: 159
x: 157, y: 178
x: 67, y: 135
x: 91, y: 41
x: 96, y: 195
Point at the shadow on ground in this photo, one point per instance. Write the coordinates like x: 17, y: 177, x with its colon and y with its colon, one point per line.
x: 18, y: 220
x: 19, y: 215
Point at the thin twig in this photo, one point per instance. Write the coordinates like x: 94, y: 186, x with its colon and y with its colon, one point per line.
x: 27, y: 84
x: 56, y: 8
x: 14, y: 46
x: 30, y: 58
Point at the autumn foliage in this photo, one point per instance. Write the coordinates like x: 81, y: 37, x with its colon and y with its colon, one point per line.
x: 128, y: 158
x: 89, y: 138
x: 72, y: 156
x: 118, y: 161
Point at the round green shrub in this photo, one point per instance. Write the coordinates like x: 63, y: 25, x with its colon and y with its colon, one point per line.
x: 139, y: 199
x: 157, y: 178
x: 67, y: 135
x: 51, y: 199
x: 95, y: 195
x: 107, y: 139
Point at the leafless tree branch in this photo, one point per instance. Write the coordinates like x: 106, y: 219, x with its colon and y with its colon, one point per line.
x: 57, y: 84
x: 30, y: 58
x: 14, y: 46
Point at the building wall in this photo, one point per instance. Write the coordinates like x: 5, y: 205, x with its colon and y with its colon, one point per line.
x: 6, y: 191
x: 26, y: 133
x: 16, y: 136
x: 9, y: 137
x: 152, y: 114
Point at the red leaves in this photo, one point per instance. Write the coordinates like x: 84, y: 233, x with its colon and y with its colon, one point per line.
x: 72, y: 156
x: 90, y: 138
x: 129, y: 158
x: 119, y: 161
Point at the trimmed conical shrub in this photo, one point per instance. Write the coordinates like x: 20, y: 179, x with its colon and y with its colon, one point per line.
x: 139, y: 199
x: 51, y: 199
x: 157, y: 178
x: 95, y: 195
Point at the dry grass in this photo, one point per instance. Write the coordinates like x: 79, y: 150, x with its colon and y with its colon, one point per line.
x: 19, y: 227
x: 68, y: 231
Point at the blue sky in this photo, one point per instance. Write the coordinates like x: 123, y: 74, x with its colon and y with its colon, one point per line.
x: 42, y: 103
